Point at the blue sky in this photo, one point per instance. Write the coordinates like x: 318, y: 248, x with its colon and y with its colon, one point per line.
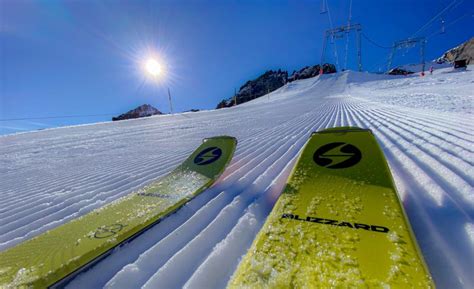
x: 68, y: 58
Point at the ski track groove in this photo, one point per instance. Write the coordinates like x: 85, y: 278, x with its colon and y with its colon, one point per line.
x: 435, y: 151
x: 68, y: 211
x: 439, y: 174
x: 108, y: 182
x: 432, y: 138
x: 429, y: 178
x: 68, y: 180
x: 441, y: 124
x: 90, y: 181
x: 461, y: 142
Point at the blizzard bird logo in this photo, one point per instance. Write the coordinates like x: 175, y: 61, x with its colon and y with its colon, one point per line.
x: 337, y: 155
x: 208, y: 156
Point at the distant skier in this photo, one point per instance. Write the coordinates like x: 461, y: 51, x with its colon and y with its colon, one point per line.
x: 431, y: 70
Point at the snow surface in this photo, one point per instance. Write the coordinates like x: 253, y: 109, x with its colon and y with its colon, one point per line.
x: 424, y: 125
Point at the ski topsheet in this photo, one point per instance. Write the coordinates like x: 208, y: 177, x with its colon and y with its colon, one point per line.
x: 55, y: 254
x: 338, y: 223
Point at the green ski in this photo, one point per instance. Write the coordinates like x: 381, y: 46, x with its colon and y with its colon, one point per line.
x: 56, y: 254
x: 338, y: 223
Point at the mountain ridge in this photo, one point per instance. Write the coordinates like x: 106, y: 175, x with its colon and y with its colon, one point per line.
x: 144, y: 110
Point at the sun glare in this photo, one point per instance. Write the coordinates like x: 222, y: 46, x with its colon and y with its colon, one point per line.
x: 153, y: 67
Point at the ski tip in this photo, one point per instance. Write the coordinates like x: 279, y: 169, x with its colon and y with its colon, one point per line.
x: 343, y: 129
x: 220, y: 137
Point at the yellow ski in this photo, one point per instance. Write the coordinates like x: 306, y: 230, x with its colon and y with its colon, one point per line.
x: 338, y: 223
x: 55, y: 254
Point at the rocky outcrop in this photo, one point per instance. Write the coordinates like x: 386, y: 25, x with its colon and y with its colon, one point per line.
x: 225, y: 103
x: 270, y: 81
x: 463, y: 51
x: 265, y: 83
x: 399, y: 71
x: 141, y: 111
x: 311, y: 71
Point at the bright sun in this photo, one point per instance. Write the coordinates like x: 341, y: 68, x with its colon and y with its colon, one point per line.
x: 153, y: 67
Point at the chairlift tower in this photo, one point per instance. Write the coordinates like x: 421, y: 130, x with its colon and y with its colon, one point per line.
x: 409, y: 43
x: 340, y: 32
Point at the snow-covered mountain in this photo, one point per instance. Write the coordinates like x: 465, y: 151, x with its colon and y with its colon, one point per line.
x: 424, y: 125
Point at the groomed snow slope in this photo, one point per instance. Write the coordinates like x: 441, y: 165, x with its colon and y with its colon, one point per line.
x: 424, y: 125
